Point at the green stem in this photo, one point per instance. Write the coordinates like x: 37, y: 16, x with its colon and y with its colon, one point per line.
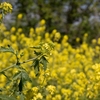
x: 30, y: 60
x: 20, y: 63
x: 7, y: 68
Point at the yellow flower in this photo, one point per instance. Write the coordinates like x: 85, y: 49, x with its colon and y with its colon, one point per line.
x: 13, y: 38
x: 58, y: 97
x: 98, y: 41
x: 2, y: 26
x: 86, y: 34
x: 1, y: 17
x: 66, y: 92
x: 42, y: 22
x: 51, y: 89
x: 32, y: 74
x: 6, y: 7
x: 84, y: 46
x: 39, y: 96
x: 20, y: 30
x: 54, y: 31
x: 38, y: 30
x: 94, y: 41
x: 35, y: 89
x: 77, y: 39
x: 2, y: 78
x: 57, y: 36
x: 13, y: 29
x: 31, y: 29
x: 46, y: 46
x: 90, y: 94
x: 48, y: 97
x: 28, y: 85
x: 65, y: 38
x: 47, y: 35
x: 20, y: 16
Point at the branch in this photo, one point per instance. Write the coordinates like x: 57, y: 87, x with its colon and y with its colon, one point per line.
x: 7, y: 68
x: 30, y: 60
x: 19, y: 63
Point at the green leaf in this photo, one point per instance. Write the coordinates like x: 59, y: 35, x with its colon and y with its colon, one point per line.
x: 25, y: 76
x: 37, y: 70
x: 37, y: 53
x: 5, y: 97
x: 35, y: 63
x: 36, y: 66
x: 7, y: 49
x: 44, y: 62
x: 22, y: 97
x: 16, y: 76
x: 20, y: 86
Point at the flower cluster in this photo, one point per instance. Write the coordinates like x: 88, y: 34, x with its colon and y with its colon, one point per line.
x: 6, y: 7
x: 73, y: 73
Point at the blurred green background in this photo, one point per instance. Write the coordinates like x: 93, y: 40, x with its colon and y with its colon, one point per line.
x: 71, y: 17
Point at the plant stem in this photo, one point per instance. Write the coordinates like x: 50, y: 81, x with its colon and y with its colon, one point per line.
x: 7, y: 68
x: 30, y: 60
x: 20, y: 63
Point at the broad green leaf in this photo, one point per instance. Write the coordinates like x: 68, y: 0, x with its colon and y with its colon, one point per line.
x: 20, y: 86
x: 7, y: 49
x: 5, y: 97
x: 22, y: 97
x: 35, y: 63
x: 36, y: 66
x: 37, y: 70
x: 44, y: 62
x: 25, y: 76
x: 17, y: 75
